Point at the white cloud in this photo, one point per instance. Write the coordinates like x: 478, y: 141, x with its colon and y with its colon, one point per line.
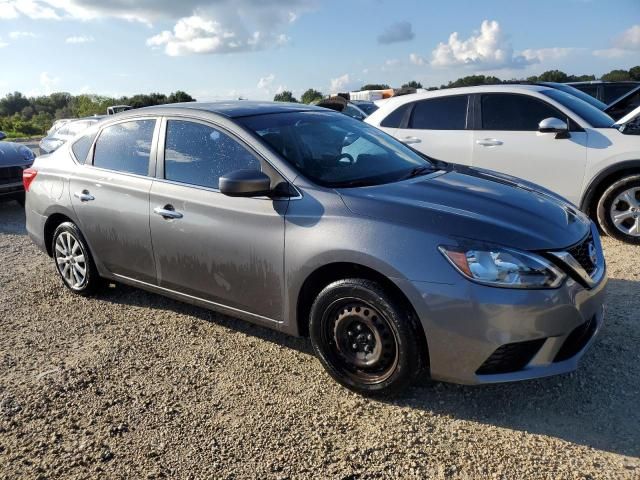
x: 265, y: 82
x: 417, y: 59
x: 17, y: 35
x: 35, y: 9
x: 48, y: 82
x: 629, y: 39
x: 341, y: 83
x: 487, y: 48
x: 398, y: 32
x: 79, y: 39
x: 546, y: 54
x: 627, y: 43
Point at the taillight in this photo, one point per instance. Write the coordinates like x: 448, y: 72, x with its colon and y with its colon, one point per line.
x: 27, y: 177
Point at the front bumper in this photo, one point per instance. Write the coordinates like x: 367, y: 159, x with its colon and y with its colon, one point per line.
x: 475, y: 333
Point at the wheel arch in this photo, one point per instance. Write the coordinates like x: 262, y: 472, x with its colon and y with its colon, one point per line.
x: 53, y: 221
x: 326, y: 274
x: 606, y: 177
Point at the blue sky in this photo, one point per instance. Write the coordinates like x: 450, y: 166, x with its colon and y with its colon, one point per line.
x: 253, y: 48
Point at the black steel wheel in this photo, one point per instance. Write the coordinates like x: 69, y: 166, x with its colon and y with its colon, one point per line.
x: 365, y: 339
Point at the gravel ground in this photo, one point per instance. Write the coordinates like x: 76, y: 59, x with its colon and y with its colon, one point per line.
x: 133, y: 385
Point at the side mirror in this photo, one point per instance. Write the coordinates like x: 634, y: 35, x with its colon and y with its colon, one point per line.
x: 245, y: 183
x: 3, y: 135
x: 554, y: 125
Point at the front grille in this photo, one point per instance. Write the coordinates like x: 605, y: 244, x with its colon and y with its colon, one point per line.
x: 10, y: 175
x: 581, y: 253
x: 510, y: 357
x: 577, y: 340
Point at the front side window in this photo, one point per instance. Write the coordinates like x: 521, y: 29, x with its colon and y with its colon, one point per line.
x: 593, y: 115
x: 505, y: 111
x: 125, y: 147
x: 443, y: 113
x: 336, y: 151
x: 198, y: 154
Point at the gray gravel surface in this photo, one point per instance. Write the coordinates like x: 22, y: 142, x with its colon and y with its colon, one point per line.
x: 132, y: 385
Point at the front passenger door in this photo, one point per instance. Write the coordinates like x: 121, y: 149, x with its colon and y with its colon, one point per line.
x: 508, y: 141
x: 225, y: 250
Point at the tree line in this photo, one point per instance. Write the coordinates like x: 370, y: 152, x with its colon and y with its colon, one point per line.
x: 24, y: 116
x: 618, y: 75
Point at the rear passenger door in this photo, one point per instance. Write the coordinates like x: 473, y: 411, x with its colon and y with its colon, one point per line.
x: 507, y: 140
x: 110, y: 196
x: 438, y: 127
x: 225, y: 250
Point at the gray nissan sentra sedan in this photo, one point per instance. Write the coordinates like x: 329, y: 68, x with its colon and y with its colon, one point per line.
x: 309, y: 222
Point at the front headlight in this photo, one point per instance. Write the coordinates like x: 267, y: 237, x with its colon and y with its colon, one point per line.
x: 503, y: 267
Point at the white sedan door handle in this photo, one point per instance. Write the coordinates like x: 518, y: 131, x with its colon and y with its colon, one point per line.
x: 489, y: 142
x: 410, y: 140
x: 167, y: 212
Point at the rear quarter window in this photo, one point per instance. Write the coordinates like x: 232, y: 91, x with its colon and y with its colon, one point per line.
x: 394, y: 119
x: 82, y: 146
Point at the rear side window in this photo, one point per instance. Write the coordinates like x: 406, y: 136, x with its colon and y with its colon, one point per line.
x: 394, y: 119
x: 504, y: 111
x: 125, y: 147
x: 444, y: 113
x: 198, y: 154
x: 82, y: 146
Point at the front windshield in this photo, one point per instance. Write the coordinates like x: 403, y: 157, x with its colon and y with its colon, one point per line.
x: 334, y: 150
x: 595, y: 117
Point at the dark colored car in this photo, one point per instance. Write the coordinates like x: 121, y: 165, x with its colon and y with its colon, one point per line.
x: 309, y: 222
x: 606, y: 92
x: 365, y: 105
x: 14, y: 159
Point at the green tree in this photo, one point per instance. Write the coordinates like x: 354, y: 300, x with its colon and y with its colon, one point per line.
x: 412, y: 84
x: 616, y: 76
x: 285, y: 96
x: 310, y: 96
x: 634, y: 72
x: 180, y: 97
x: 553, y: 76
x: 375, y: 86
x: 473, y: 80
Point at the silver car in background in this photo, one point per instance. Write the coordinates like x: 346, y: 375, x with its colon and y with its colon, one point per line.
x: 64, y: 133
x: 309, y: 222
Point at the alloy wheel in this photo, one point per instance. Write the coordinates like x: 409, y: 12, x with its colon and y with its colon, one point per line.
x: 625, y: 212
x: 71, y: 260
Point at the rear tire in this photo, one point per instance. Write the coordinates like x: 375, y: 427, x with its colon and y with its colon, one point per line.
x: 365, y: 339
x: 73, y: 260
x: 618, y: 210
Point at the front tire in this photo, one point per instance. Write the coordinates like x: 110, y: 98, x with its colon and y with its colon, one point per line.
x: 365, y: 339
x: 618, y: 210
x: 74, y: 262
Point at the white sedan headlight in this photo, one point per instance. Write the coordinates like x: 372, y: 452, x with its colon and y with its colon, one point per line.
x: 504, y: 267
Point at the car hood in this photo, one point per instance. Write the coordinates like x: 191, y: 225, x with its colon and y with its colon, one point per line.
x: 10, y: 155
x: 464, y: 202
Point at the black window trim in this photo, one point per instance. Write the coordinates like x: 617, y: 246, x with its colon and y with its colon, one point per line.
x: 573, y: 125
x: 161, y: 143
x: 408, y: 117
x: 152, y: 154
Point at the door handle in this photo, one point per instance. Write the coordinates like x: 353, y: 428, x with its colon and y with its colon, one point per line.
x: 167, y: 212
x: 84, y: 196
x: 489, y: 142
x: 410, y: 140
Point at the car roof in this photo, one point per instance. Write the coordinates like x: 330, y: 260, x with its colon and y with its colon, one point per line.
x: 231, y: 109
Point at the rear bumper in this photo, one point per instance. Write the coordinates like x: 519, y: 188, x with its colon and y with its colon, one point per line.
x: 35, y: 227
x: 478, y: 334
x: 9, y: 191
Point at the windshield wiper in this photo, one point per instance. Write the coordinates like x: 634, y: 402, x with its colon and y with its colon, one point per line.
x: 417, y: 171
